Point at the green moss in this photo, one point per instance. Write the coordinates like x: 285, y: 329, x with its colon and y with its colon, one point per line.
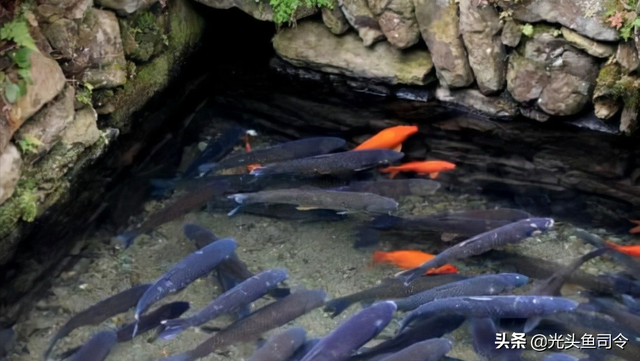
x: 608, y: 75
x: 627, y: 90
x: 284, y: 10
x: 143, y: 35
x: 23, y: 204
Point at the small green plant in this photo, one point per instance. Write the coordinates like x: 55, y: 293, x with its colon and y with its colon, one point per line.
x: 29, y: 144
x: 284, y: 10
x: 145, y: 22
x: 620, y: 16
x: 17, y: 31
x: 84, y: 93
x: 527, y: 29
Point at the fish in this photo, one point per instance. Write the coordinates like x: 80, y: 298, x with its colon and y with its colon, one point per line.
x: 636, y: 229
x: 97, y: 348
x: 340, y: 343
x: 530, y: 307
x: 389, y: 138
x: 281, y: 346
x: 316, y: 198
x: 101, y: 311
x: 422, y: 330
x: 624, y: 259
x: 552, y: 285
x: 633, y: 251
x: 430, y: 167
x: 615, y: 310
x: 395, y: 189
x: 390, y: 288
x: 429, y: 350
x: 409, y: 259
x: 260, y: 321
x: 241, y: 295
x: 189, y: 269
x: 484, y: 333
x: 147, y: 323
x: 7, y: 341
x: 215, y: 150
x: 632, y: 304
x: 290, y: 212
x: 303, y: 148
x: 484, y: 285
x: 182, y: 205
x: 498, y: 237
x: 331, y: 164
x: 559, y: 357
x: 306, y: 347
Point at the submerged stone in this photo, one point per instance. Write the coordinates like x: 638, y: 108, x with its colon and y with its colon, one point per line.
x: 480, y: 28
x: 10, y: 170
x: 362, y: 19
x: 310, y: 44
x: 583, y: 16
x: 438, y: 22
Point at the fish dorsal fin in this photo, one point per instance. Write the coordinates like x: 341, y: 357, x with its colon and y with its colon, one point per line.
x: 398, y: 148
x: 434, y: 175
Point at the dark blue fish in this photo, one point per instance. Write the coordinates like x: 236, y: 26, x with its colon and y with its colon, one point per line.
x: 484, y: 285
x: 7, y: 341
x: 100, y: 312
x: 97, y: 348
x: 353, y: 333
x: 496, y: 238
x: 531, y: 307
x: 394, y: 188
x: 241, y: 295
x: 334, y: 164
x: 429, y: 350
x: 484, y: 341
x: 304, y: 349
x: 296, y: 149
x: 632, y: 304
x: 615, y: 310
x: 264, y: 319
x: 421, y: 330
x: 184, y: 272
x: 215, y: 150
x: 281, y: 346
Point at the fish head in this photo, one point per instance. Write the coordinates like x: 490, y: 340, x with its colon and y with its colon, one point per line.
x: 538, y: 225
x: 516, y: 279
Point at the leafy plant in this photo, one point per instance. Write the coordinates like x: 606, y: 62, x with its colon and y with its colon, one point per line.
x: 84, y: 93
x: 620, y: 16
x: 527, y: 29
x: 284, y: 10
x: 17, y: 31
x: 29, y: 144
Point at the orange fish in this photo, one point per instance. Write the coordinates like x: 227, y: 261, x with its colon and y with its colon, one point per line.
x: 630, y: 250
x: 390, y: 138
x: 431, y: 167
x: 247, y: 146
x: 636, y: 229
x: 411, y: 259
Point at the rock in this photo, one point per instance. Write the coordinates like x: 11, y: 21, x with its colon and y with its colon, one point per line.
x: 109, y: 76
x: 69, y: 9
x: 48, y: 124
x: 511, y: 33
x: 335, y: 20
x: 629, y: 117
x: 559, y: 75
x: 143, y: 35
x: 480, y: 29
x: 605, y: 102
x: 629, y: 90
x: 438, y: 22
x: 397, y: 21
x: 534, y: 114
x: 627, y: 56
x: 98, y: 43
x: 62, y: 35
x: 126, y: 7
x: 594, y: 48
x: 583, y: 16
x: 499, y: 106
x: 259, y: 9
x: 83, y: 129
x: 10, y: 170
x: 362, y: 19
x: 606, y: 108
x: 48, y: 81
x: 312, y: 45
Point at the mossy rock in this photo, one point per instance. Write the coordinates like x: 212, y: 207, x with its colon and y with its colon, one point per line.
x: 144, y: 35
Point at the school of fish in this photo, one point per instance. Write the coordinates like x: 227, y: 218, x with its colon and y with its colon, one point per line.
x: 312, y: 179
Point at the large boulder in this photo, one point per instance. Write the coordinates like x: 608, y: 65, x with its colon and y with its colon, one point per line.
x: 583, y: 16
x: 310, y: 44
x: 362, y: 19
x: 552, y: 74
x: 10, y: 167
x: 125, y: 7
x: 480, y: 28
x: 438, y: 22
x: 397, y: 21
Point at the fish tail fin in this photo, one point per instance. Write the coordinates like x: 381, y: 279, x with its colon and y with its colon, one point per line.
x: 398, y: 147
x: 386, y: 170
x: 173, y: 328
x: 612, y: 245
x: 206, y: 167
x: 337, y: 306
x: 127, y: 238
x: 243, y: 312
x: 380, y: 257
x: 135, y: 327
x: 410, y: 275
x: 531, y: 323
x: 434, y: 175
x: 234, y: 211
x: 393, y: 174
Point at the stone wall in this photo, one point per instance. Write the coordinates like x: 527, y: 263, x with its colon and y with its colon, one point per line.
x: 93, y: 66
x: 544, y: 59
